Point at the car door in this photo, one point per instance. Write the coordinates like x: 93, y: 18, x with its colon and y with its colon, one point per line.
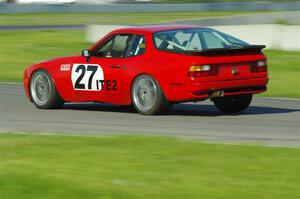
x: 99, y: 78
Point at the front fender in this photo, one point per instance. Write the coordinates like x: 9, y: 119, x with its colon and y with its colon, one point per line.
x: 28, y: 74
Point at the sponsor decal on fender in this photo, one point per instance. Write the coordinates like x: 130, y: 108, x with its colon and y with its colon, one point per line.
x: 65, y: 67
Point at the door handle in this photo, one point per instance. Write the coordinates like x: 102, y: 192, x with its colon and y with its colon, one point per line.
x: 115, y: 66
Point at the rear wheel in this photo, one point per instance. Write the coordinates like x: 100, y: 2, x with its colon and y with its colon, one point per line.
x: 147, y: 96
x: 43, y: 92
x: 233, y: 104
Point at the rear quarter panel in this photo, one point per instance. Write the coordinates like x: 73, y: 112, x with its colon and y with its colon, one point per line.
x: 171, y: 69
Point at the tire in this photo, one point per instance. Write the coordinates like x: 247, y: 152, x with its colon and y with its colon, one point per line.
x: 233, y: 104
x: 147, y: 96
x: 43, y: 92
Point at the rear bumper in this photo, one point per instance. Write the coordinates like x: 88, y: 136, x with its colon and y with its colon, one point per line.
x: 199, y: 91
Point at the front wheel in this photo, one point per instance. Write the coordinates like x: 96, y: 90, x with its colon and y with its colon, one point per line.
x: 147, y: 96
x: 43, y: 92
x: 233, y: 104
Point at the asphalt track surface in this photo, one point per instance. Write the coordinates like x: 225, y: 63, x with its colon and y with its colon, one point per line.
x: 268, y: 121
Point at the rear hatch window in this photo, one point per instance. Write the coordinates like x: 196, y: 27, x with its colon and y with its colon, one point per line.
x: 201, y: 41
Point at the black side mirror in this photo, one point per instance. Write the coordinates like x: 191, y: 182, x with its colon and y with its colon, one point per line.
x: 86, y: 53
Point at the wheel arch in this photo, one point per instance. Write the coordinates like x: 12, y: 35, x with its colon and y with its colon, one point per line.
x: 34, y: 70
x: 148, y: 74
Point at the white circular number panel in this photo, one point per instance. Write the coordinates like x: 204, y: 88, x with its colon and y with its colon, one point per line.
x: 87, y: 77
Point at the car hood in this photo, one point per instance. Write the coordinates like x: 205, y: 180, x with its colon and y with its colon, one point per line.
x: 59, y: 60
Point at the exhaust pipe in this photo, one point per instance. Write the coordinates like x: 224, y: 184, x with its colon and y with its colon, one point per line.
x: 216, y: 94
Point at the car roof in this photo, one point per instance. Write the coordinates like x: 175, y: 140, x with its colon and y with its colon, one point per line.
x: 155, y: 28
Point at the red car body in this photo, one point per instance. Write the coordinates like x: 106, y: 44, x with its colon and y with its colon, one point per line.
x: 234, y: 75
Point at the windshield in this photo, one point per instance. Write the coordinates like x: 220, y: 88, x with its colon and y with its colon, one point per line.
x: 195, y: 39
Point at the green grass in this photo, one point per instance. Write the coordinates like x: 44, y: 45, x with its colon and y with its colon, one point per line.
x: 19, y: 49
x: 129, y: 167
x: 284, y: 72
x: 109, y: 18
x: 22, y: 48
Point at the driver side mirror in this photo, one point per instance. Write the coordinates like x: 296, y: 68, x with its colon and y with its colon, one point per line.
x: 86, y: 53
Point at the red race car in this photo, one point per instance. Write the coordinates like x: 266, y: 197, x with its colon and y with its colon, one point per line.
x: 153, y: 67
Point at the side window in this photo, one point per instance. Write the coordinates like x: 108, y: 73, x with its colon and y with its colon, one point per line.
x: 115, y: 47
x: 138, y: 46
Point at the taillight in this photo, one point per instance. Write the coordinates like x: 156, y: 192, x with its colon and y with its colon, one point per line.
x: 202, y: 71
x: 259, y: 66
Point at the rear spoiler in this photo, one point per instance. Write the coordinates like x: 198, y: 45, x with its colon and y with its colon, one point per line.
x: 252, y: 49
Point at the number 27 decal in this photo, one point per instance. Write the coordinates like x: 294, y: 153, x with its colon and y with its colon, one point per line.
x: 87, y: 77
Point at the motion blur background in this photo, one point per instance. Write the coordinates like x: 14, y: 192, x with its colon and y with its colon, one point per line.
x: 61, y: 166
